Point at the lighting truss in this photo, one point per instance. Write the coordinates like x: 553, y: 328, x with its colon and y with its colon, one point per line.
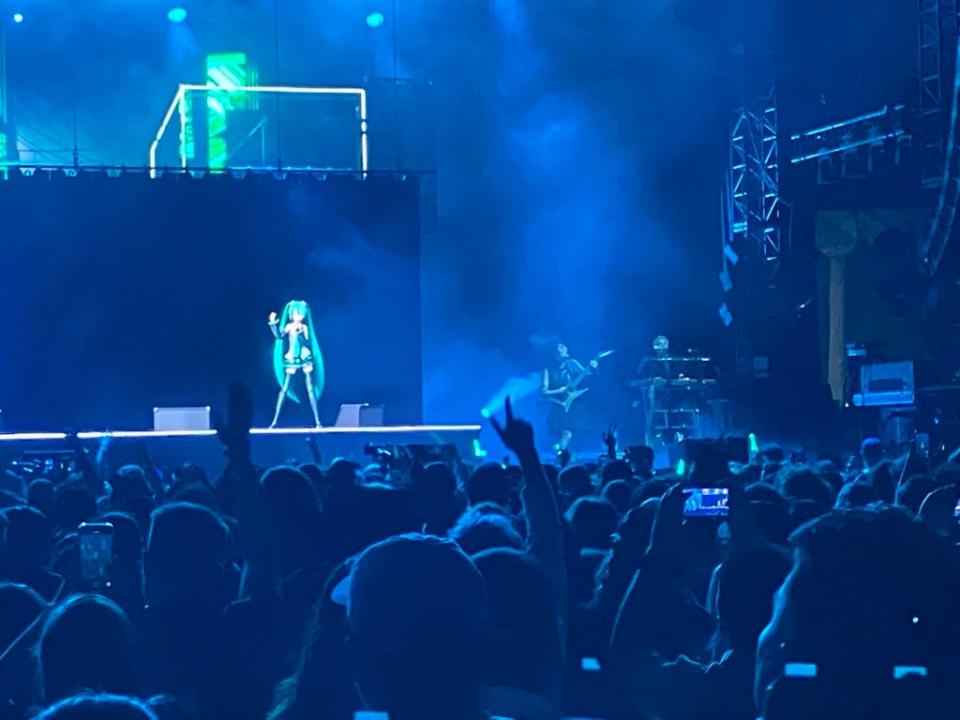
x: 860, y: 137
x: 932, y: 15
x: 753, y: 191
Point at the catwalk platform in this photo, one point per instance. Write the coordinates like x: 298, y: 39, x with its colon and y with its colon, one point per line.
x: 270, y: 446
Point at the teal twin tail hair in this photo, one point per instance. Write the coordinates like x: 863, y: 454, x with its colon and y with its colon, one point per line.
x: 317, y: 377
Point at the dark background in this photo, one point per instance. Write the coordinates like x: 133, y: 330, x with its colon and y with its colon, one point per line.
x: 121, y: 294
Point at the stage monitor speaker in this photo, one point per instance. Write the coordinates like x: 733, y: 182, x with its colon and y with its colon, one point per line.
x: 359, y: 415
x: 174, y: 419
x: 886, y: 384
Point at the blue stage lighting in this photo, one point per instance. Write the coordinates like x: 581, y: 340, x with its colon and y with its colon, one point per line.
x: 375, y: 19
x: 177, y: 15
x: 18, y: 18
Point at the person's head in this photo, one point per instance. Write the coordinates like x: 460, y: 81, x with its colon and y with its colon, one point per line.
x: 575, y: 482
x: 9, y: 498
x: 618, y: 493
x: 187, y: 491
x: 616, y: 470
x: 711, y: 465
x: 830, y: 473
x: 20, y: 605
x: 295, y: 506
x: 127, y: 539
x: 128, y: 482
x: 524, y: 643
x: 42, y: 494
x: 139, y: 508
x: 483, y: 527
x: 86, y: 644
x: 74, y: 505
x: 435, y: 491
x: 635, y: 527
x: 27, y: 538
x: 490, y: 483
x: 799, y: 482
x: 747, y: 581
x: 641, y: 458
x: 594, y: 520
x: 191, y: 474
x: 871, y: 452
x: 856, y: 493
x: 343, y: 473
x: 289, y: 492
x: 88, y: 706
x: 184, y: 558
x: 434, y: 482
x: 318, y: 479
x: 416, y: 613
x: 651, y: 489
x: 14, y: 484
x: 661, y: 345
x: 563, y: 352
x: 870, y: 589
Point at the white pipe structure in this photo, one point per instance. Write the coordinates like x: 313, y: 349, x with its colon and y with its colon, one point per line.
x: 178, y: 104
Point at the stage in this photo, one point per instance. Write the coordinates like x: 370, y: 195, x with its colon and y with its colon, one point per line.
x: 269, y: 446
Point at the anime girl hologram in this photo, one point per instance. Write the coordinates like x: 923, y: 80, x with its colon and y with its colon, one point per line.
x: 295, y: 349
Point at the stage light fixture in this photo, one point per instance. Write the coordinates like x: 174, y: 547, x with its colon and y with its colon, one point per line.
x: 18, y: 18
x: 725, y: 315
x: 726, y: 282
x: 375, y: 19
x: 730, y: 254
x: 177, y: 15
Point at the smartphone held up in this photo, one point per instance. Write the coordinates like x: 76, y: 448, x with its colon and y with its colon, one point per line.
x: 95, y: 542
x: 706, y: 502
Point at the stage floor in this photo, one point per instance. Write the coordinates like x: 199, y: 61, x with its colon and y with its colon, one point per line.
x: 270, y: 446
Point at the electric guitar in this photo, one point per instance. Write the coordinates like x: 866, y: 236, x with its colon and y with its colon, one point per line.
x: 572, y: 390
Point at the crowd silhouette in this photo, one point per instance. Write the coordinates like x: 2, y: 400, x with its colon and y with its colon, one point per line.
x: 506, y: 590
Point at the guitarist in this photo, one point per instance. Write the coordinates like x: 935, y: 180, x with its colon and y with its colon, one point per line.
x: 557, y: 382
x: 556, y: 387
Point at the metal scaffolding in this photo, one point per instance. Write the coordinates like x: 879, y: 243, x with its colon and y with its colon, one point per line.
x: 770, y: 188
x: 930, y: 77
x: 937, y: 41
x: 753, y: 232
x: 752, y: 248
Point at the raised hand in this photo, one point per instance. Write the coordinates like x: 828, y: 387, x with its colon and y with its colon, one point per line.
x: 516, y: 434
x: 272, y: 319
x: 235, y: 432
x: 666, y: 537
x: 610, y: 440
x: 743, y: 528
x: 315, y: 453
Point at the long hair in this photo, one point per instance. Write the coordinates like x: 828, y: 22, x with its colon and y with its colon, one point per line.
x: 279, y: 368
